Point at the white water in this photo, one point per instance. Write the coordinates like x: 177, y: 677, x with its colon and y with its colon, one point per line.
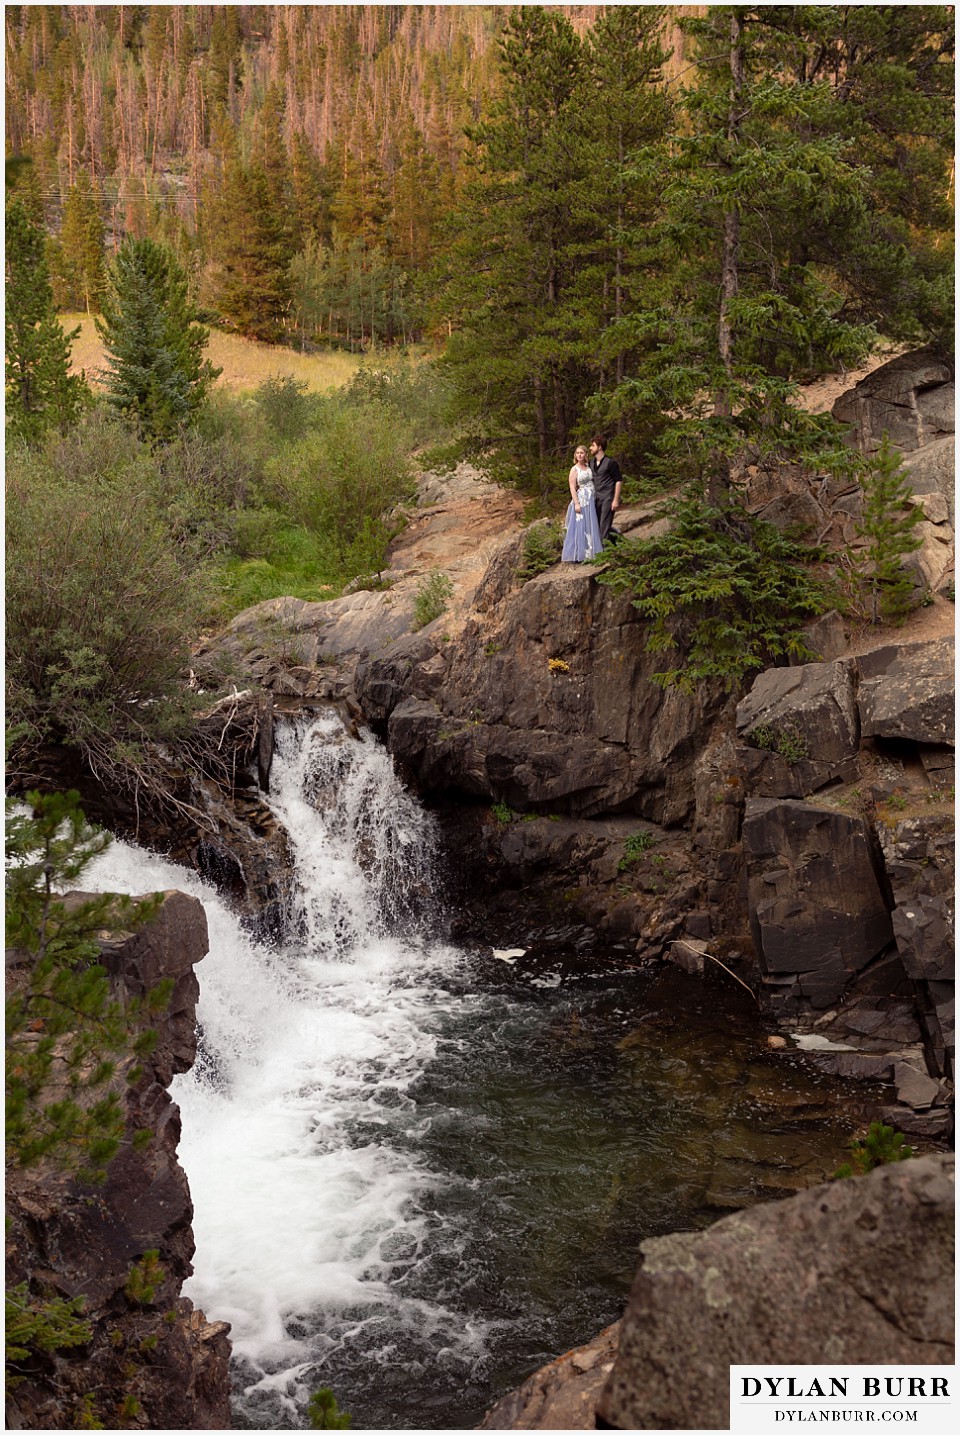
x: 299, y: 1140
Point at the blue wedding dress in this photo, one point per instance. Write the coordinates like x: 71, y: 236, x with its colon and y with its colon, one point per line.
x: 582, y: 539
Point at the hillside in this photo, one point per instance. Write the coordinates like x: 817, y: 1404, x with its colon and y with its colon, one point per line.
x: 245, y: 363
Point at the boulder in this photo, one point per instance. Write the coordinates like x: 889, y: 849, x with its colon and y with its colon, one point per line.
x: 854, y: 1272
x: 817, y: 908
x: 500, y: 762
x: 562, y: 1395
x: 827, y: 636
x: 796, y: 512
x: 908, y: 692
x: 919, y: 858
x: 932, y: 469
x: 934, y: 506
x: 936, y: 406
x: 799, y: 729
x: 910, y: 398
x: 931, y: 565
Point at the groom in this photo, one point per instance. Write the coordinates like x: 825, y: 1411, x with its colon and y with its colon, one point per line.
x: 607, y: 480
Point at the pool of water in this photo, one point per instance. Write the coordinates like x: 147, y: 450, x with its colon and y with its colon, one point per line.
x: 566, y: 1124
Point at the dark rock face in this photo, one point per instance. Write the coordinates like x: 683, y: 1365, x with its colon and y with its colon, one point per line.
x: 816, y: 904
x: 908, y: 692
x: 156, y: 1353
x: 492, y: 719
x: 800, y: 729
x: 919, y: 858
x: 911, y: 399
x: 857, y: 1271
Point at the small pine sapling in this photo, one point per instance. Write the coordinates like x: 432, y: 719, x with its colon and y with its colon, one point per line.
x: 888, y: 525
x: 324, y: 1412
x: 882, y: 1146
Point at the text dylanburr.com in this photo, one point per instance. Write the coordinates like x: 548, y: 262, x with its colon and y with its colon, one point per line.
x: 799, y: 1397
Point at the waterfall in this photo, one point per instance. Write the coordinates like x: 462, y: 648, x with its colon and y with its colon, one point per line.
x: 300, y: 1140
x: 419, y: 1174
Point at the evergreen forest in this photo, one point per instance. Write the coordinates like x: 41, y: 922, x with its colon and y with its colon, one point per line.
x: 525, y: 222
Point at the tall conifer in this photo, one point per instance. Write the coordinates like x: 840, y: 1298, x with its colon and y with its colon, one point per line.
x: 517, y: 352
x: 82, y: 248
x: 156, y: 371
x: 41, y: 393
x: 250, y: 246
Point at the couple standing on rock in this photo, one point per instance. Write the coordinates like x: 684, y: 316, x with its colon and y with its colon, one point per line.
x: 594, y: 499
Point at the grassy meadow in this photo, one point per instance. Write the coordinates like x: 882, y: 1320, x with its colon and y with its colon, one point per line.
x: 246, y: 364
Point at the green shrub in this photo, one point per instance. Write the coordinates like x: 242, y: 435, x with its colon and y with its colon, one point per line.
x: 255, y: 532
x: 502, y: 813
x: 100, y: 614
x: 417, y: 392
x: 342, y: 478
x: 34, y: 1327
x: 724, y: 590
x: 65, y: 1029
x: 287, y: 405
x: 432, y: 598
x: 634, y: 847
x: 788, y: 741
x: 201, y: 483
x: 145, y: 1279
x: 101, y: 448
x: 882, y: 1146
x: 542, y: 546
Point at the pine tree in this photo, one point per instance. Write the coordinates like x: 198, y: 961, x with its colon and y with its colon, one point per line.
x: 359, y: 205
x: 311, y: 193
x: 888, y: 526
x: 271, y: 160
x: 519, y: 353
x: 224, y: 61
x: 156, y: 371
x: 889, y: 73
x: 775, y: 238
x: 744, y: 309
x: 81, y: 240
x: 41, y: 393
x: 628, y: 113
x: 251, y: 251
x: 414, y: 201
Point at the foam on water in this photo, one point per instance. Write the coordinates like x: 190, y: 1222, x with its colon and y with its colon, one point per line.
x: 299, y: 1140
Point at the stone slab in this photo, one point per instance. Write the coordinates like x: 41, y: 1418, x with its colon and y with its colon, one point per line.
x: 854, y: 1272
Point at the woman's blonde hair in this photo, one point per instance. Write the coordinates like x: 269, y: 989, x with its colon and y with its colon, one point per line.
x: 581, y: 448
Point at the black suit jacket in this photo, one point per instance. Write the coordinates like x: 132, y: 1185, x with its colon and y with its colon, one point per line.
x: 606, y: 475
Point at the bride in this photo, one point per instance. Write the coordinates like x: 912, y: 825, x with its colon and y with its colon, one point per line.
x: 583, y: 529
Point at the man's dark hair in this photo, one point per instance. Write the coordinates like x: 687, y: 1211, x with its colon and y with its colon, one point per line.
x: 600, y: 440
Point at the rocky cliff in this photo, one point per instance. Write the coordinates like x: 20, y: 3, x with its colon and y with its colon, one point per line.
x: 152, y: 1360
x: 802, y: 837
